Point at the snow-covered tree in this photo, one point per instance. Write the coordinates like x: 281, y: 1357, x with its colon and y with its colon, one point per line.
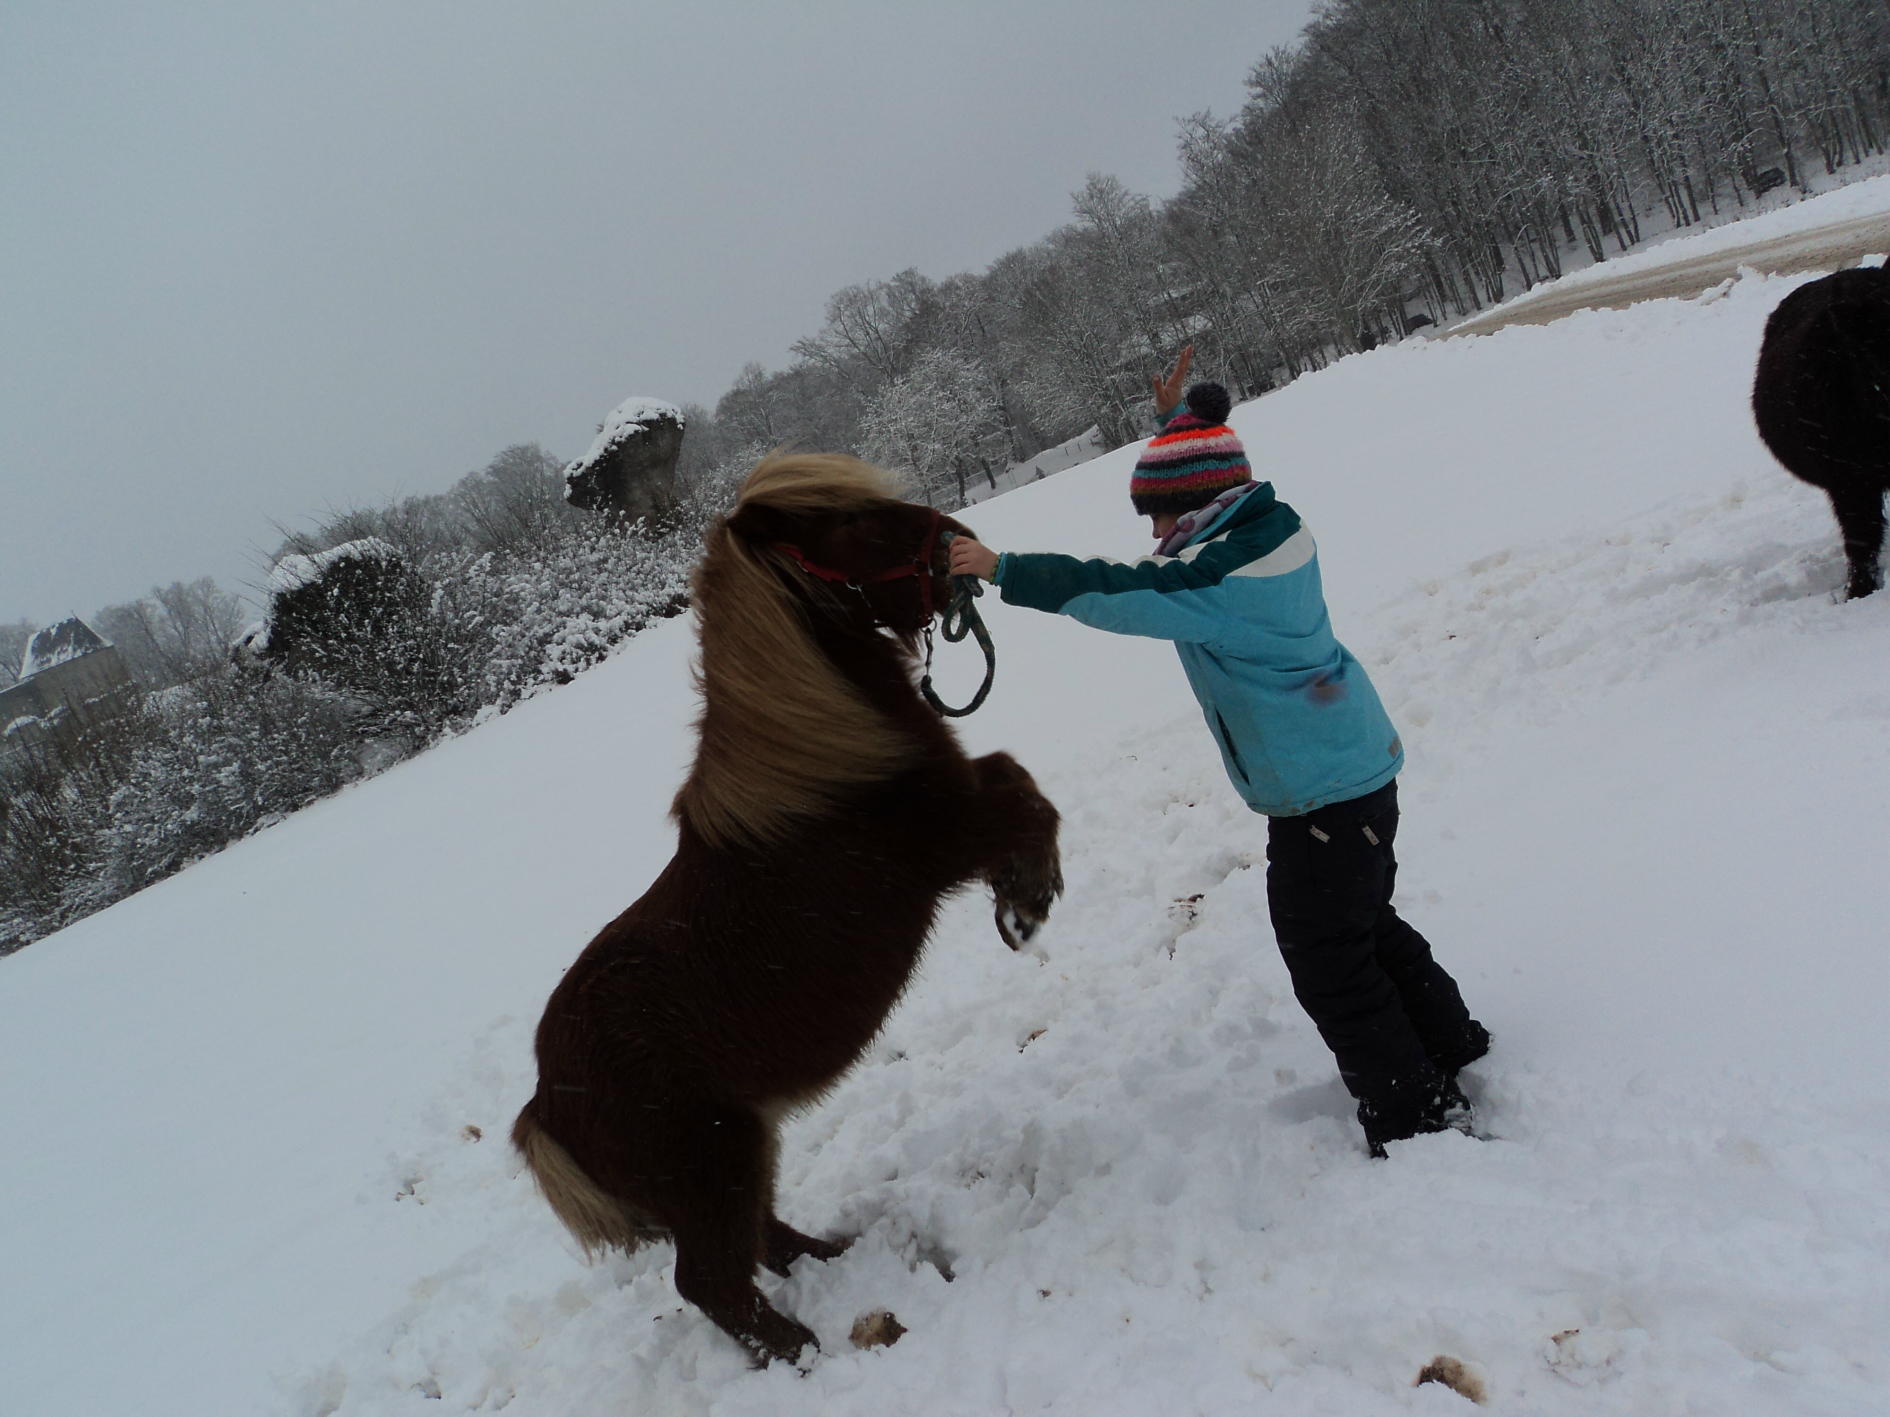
x: 874, y: 330
x: 941, y: 423
x: 515, y: 498
x: 178, y: 632
x: 15, y: 635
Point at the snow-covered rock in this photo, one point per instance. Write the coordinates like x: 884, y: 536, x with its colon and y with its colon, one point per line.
x: 635, y: 415
x: 631, y: 466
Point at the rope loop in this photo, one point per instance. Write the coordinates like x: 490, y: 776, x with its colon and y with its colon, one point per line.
x: 960, y: 619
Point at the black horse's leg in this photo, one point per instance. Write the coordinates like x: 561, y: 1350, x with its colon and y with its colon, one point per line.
x: 719, y: 1225
x: 1023, y: 867
x: 1860, y: 518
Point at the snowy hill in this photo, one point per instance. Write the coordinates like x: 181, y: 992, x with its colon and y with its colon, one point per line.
x: 256, y: 1115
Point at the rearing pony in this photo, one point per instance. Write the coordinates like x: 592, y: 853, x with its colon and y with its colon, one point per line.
x: 827, y: 814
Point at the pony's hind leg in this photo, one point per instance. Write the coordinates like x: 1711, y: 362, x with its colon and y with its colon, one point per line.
x: 720, y: 1223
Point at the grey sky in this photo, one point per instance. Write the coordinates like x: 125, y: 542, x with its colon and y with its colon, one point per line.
x: 260, y: 261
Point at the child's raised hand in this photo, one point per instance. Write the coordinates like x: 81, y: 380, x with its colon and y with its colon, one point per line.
x: 1168, y: 391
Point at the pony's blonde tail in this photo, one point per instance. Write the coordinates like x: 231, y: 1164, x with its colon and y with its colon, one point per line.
x: 597, y: 1220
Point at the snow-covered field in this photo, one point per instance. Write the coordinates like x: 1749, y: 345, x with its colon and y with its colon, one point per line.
x: 254, y: 1118
x: 1070, y: 453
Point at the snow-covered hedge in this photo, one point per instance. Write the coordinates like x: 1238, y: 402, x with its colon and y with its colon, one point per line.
x: 369, y: 652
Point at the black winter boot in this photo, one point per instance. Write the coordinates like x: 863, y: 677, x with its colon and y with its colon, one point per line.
x: 1433, y: 1104
x: 1473, y: 1044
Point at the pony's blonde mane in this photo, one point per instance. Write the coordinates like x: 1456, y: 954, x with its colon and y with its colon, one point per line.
x: 782, y: 734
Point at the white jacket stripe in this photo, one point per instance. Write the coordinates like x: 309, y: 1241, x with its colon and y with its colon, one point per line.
x: 1282, y: 560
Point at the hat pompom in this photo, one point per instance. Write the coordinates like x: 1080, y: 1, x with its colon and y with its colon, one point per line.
x: 1209, y: 403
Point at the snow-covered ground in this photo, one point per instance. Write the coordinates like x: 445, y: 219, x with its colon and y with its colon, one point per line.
x: 254, y: 1117
x: 1071, y: 453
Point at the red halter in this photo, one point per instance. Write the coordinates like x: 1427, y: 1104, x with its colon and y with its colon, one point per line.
x: 920, y: 566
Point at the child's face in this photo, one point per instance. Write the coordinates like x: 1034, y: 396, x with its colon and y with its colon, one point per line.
x: 1162, y: 523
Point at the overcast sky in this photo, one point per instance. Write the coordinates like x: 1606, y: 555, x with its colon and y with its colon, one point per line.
x: 259, y: 261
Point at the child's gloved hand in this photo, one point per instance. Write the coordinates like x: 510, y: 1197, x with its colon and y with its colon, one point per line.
x: 972, y: 558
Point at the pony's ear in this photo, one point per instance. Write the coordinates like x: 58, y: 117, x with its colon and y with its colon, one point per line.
x: 757, y: 522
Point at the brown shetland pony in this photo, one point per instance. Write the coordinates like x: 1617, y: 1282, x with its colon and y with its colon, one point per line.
x: 827, y: 814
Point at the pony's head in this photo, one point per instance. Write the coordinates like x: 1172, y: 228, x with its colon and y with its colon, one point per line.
x: 814, y: 540
x: 858, y: 550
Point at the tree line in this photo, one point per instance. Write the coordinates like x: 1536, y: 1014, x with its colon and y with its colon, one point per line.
x: 1410, y: 161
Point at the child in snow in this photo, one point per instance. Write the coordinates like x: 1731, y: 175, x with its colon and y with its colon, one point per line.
x: 1234, y: 582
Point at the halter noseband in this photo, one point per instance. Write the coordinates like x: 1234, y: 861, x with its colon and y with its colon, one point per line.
x: 961, y: 616
x: 920, y: 566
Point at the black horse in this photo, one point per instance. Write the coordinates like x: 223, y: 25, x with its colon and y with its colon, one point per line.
x: 1822, y: 401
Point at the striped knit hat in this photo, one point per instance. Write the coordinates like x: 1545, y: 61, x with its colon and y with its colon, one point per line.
x: 1194, y: 459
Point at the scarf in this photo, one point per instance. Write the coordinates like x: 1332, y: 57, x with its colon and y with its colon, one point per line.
x: 1185, y: 529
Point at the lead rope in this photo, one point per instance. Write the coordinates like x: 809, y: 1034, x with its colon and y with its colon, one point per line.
x: 959, y: 619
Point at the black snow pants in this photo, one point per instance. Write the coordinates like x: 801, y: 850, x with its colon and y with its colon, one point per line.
x: 1392, y: 1017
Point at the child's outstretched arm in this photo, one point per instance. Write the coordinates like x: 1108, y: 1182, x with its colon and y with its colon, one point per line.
x: 1202, y: 596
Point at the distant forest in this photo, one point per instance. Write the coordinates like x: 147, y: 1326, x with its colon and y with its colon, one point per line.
x: 1410, y: 161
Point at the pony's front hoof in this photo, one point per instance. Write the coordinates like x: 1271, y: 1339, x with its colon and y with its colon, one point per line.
x: 1024, y: 890
x: 1015, y: 926
x: 785, y: 1244
x: 778, y: 1338
x: 824, y: 1249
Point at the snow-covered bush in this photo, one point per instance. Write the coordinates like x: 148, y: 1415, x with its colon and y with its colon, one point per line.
x: 361, y: 619
x: 220, y: 758
x: 55, y: 807
x: 369, y: 652
x: 541, y: 612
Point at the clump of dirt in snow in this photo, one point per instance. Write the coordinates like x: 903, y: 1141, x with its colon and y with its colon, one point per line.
x: 1454, y: 1374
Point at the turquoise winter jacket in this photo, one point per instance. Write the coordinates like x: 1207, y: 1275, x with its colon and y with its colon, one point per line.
x: 1297, y: 720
